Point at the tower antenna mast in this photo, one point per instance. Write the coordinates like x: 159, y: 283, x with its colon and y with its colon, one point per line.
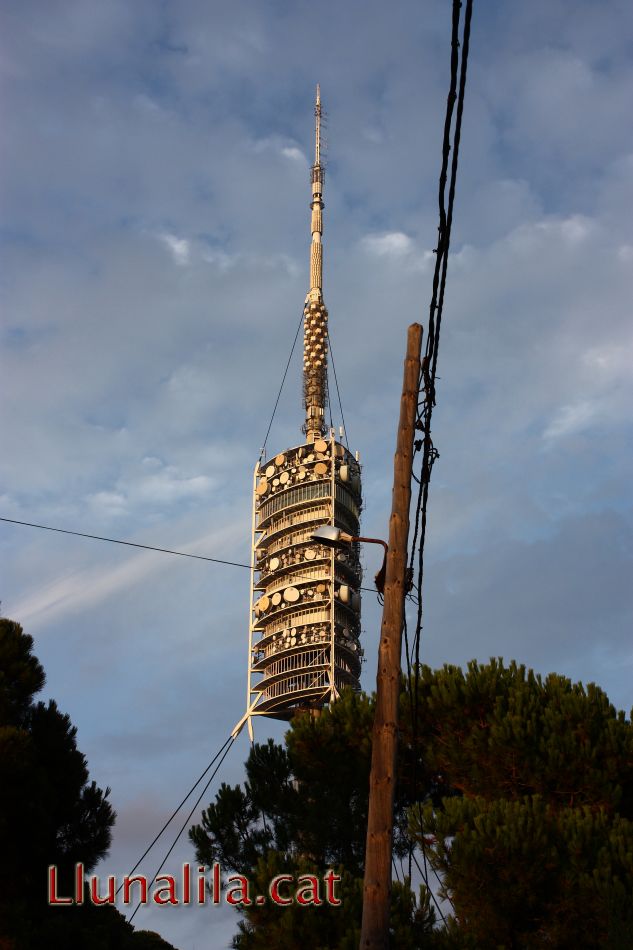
x: 316, y: 315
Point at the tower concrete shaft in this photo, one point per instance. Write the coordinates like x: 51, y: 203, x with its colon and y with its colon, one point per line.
x: 315, y: 336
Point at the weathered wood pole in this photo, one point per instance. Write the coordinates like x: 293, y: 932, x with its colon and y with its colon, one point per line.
x: 378, y: 851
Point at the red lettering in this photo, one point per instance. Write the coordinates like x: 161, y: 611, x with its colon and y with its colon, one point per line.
x: 239, y: 893
x: 169, y: 887
x: 216, y: 886
x: 273, y: 889
x: 79, y: 883
x: 331, y: 879
x: 127, y: 887
x: 95, y: 897
x: 308, y: 893
x: 53, y: 897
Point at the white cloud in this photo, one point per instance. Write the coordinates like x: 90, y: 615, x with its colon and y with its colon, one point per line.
x: 614, y: 361
x: 179, y: 247
x: 374, y: 135
x: 294, y: 153
x: 83, y: 589
x: 169, y: 487
x: 107, y: 503
x: 571, y: 419
x: 275, y: 145
x: 569, y: 232
x: 389, y: 244
x: 572, y: 229
x: 219, y: 258
x: 576, y: 228
x: 145, y: 103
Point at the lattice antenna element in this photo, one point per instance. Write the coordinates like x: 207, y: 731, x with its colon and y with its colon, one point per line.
x: 317, y: 126
x: 315, y: 312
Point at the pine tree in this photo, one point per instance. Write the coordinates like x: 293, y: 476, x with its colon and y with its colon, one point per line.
x: 302, y: 810
x: 518, y: 788
x: 50, y: 813
x: 536, y: 847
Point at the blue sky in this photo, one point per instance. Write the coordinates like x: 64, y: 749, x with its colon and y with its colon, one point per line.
x: 155, y: 234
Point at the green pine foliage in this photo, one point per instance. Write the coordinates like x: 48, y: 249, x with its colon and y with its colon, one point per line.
x: 518, y: 788
x: 302, y: 810
x: 50, y: 813
x: 535, y: 845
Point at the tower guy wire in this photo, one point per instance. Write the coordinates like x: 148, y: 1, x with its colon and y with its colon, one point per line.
x: 283, y: 380
x: 177, y: 809
x: 227, y: 745
x: 338, y: 393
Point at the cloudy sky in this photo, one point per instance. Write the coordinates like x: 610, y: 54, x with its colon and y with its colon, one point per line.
x: 155, y: 232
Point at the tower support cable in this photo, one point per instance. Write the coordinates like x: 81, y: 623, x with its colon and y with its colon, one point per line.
x: 176, y: 810
x: 226, y: 747
x: 283, y: 380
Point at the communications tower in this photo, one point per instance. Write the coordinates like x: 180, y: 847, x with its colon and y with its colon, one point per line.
x: 304, y: 612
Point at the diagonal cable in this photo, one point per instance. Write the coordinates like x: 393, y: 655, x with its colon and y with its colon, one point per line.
x: 283, y: 380
x: 175, y: 812
x: 149, y: 547
x: 338, y: 393
x: 187, y: 819
x: 129, y: 544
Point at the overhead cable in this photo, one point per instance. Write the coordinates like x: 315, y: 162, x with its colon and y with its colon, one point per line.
x: 427, y: 389
x: 226, y: 748
x: 129, y: 544
x: 175, y: 812
x: 149, y: 547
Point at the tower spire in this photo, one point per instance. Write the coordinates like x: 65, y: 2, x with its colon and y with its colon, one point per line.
x: 316, y: 226
x: 317, y: 133
x: 315, y: 313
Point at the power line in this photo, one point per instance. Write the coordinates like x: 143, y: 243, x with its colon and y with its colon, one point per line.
x: 458, y: 73
x: 130, y: 544
x: 429, y: 363
x: 429, y: 453
x: 149, y: 547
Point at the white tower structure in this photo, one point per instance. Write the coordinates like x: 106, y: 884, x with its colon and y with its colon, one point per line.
x: 304, y: 614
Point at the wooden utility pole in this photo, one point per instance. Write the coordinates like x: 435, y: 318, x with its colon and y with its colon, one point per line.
x: 378, y: 852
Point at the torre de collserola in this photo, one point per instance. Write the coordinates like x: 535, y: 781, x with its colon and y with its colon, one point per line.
x: 304, y: 622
